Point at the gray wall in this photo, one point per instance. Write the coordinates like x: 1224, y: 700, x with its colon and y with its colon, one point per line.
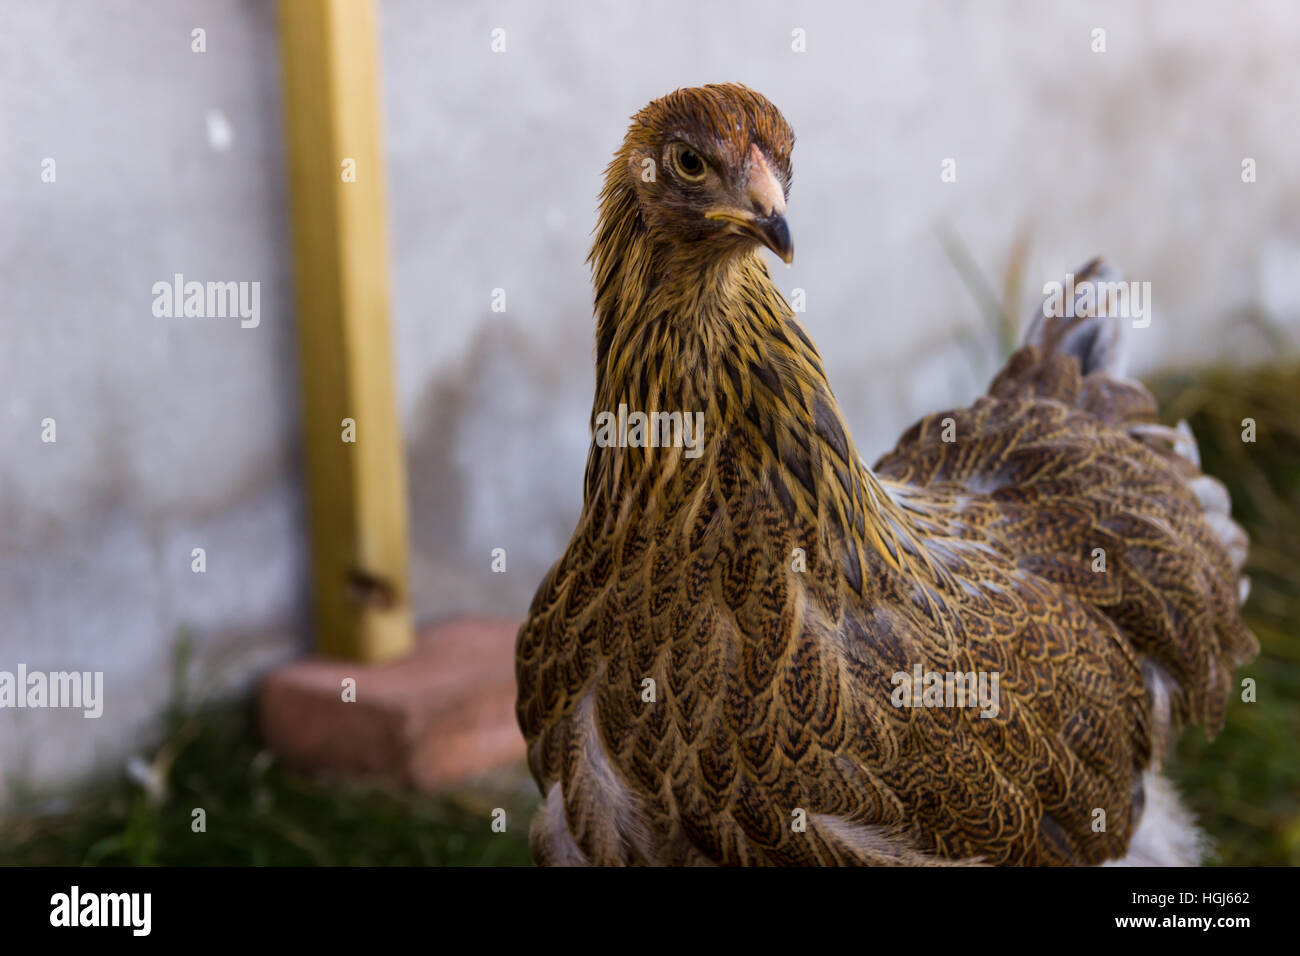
x: 182, y: 433
x: 172, y: 433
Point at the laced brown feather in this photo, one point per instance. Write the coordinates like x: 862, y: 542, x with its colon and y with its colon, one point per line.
x: 773, y: 684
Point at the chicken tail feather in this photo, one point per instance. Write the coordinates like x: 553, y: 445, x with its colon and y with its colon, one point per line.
x: 1082, y: 317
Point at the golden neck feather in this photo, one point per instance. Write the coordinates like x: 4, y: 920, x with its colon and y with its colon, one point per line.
x: 688, y: 333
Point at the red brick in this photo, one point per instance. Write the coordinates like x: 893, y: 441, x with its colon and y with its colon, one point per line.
x: 443, y: 714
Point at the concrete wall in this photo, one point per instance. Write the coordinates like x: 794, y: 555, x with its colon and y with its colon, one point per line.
x: 183, y: 433
x: 173, y: 433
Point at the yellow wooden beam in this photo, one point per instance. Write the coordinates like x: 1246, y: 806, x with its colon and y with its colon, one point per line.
x: 357, y: 492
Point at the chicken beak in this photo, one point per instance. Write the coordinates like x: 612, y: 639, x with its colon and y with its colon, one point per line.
x: 774, y: 232
x: 767, y: 198
x: 765, y: 217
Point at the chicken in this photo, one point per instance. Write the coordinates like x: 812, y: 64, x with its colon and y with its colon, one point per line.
x: 760, y: 651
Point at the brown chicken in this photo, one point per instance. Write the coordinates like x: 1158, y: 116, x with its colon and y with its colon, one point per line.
x: 756, y: 650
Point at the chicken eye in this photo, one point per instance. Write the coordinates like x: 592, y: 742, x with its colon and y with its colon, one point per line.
x: 688, y: 163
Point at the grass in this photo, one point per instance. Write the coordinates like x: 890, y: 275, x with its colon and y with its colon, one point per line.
x: 260, y: 813
x: 257, y: 812
x: 1244, y: 787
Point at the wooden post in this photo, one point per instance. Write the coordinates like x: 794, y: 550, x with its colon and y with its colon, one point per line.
x: 357, y: 489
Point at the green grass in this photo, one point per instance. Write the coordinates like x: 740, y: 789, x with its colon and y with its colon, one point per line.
x: 262, y: 814
x: 1244, y: 787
